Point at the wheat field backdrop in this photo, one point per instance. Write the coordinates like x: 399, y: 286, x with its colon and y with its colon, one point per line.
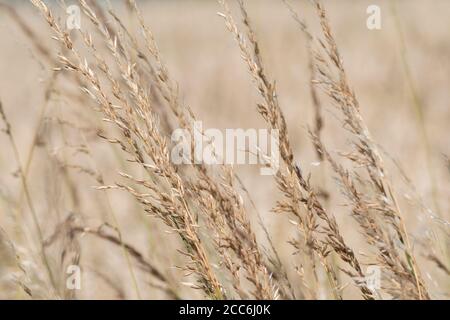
x: 88, y: 188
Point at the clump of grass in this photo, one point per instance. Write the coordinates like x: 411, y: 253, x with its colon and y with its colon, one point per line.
x: 124, y: 76
x: 291, y: 181
x: 143, y: 140
x: 378, y: 211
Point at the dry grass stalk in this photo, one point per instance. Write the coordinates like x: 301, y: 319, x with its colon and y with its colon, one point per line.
x: 139, y: 143
x: 71, y: 229
x: 147, y: 142
x: 23, y: 179
x: 125, y: 77
x: 234, y: 235
x: 297, y: 190
x: 379, y: 211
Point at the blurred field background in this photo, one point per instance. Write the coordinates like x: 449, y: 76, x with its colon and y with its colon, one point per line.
x: 202, y: 56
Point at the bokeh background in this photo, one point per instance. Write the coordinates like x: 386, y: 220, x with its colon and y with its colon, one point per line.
x: 53, y: 129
